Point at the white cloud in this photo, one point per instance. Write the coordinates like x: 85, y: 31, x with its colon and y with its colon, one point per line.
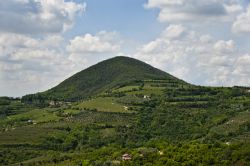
x: 10, y: 40
x: 194, y: 55
x: 185, y: 10
x: 198, y: 58
x: 157, y: 3
x: 233, y: 8
x: 34, y: 53
x: 242, y: 23
x: 174, y: 31
x: 82, y: 47
x: 28, y: 65
x: 242, y: 67
x: 206, y: 38
x: 38, y: 16
x: 225, y: 46
x: 91, y: 44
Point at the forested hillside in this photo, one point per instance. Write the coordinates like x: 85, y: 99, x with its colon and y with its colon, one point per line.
x: 125, y: 112
x: 101, y: 77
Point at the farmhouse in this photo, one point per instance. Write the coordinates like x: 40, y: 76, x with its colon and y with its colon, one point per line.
x: 126, y: 157
x: 125, y: 107
x: 52, y: 103
x: 160, y: 153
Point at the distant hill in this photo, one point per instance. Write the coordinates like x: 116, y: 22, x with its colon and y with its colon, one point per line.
x: 105, y: 75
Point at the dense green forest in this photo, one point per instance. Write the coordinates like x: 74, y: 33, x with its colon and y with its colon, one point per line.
x: 123, y: 106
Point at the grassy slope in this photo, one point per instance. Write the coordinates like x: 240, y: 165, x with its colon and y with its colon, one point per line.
x: 104, y: 104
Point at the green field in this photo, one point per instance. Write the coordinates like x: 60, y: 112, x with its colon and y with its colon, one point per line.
x: 105, y: 105
x: 126, y: 88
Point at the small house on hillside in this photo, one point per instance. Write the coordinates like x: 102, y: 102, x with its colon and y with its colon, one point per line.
x: 125, y: 108
x: 126, y: 157
x: 52, y: 103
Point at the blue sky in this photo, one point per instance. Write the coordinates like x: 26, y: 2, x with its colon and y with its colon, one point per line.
x: 42, y: 42
x: 129, y: 18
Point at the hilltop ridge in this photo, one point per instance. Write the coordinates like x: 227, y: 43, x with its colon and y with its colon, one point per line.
x: 105, y: 75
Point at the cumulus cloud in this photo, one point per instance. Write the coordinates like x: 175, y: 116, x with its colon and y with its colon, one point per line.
x: 198, y: 58
x: 174, y: 31
x: 38, y: 16
x: 82, y: 47
x: 242, y: 66
x: 28, y: 65
x: 233, y: 8
x: 242, y: 23
x: 185, y: 10
x: 225, y: 46
x: 32, y: 48
x: 92, y: 44
x: 185, y: 50
x: 35, y: 56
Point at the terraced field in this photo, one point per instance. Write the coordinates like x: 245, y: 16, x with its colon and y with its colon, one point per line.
x: 106, y: 104
x: 181, y: 119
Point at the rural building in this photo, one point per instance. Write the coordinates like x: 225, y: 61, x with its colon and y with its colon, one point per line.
x: 52, y: 103
x: 126, y: 157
